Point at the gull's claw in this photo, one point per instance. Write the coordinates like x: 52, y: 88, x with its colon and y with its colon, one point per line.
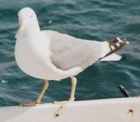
x: 30, y: 104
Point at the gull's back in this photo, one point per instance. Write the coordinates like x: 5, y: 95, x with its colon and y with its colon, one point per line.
x: 68, y: 52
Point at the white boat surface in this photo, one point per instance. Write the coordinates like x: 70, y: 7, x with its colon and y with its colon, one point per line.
x: 104, y: 110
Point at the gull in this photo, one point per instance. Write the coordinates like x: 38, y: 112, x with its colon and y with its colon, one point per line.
x: 52, y: 55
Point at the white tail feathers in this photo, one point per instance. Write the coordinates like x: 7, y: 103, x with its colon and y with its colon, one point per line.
x: 112, y: 57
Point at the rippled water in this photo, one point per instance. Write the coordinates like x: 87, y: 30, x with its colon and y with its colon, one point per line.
x: 89, y: 19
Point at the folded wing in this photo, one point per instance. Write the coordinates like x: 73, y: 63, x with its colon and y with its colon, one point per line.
x: 68, y: 52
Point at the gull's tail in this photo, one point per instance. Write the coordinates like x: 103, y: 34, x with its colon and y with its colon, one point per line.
x: 110, y: 48
x: 112, y: 57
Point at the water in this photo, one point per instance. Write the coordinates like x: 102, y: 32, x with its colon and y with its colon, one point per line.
x: 89, y: 19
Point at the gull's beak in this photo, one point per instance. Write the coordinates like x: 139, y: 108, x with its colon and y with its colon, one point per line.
x: 21, y: 28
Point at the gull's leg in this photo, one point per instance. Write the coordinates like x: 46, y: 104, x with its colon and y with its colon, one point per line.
x: 73, y: 88
x: 40, y: 97
x: 72, y: 94
x: 72, y: 97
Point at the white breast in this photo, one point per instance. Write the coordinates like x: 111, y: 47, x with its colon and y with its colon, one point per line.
x: 28, y: 60
x: 33, y: 57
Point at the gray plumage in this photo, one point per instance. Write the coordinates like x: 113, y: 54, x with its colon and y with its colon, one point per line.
x: 68, y: 52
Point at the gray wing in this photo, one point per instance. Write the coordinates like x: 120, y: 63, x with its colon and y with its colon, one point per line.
x: 68, y: 52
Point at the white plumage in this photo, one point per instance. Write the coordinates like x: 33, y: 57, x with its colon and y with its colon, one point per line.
x: 51, y: 55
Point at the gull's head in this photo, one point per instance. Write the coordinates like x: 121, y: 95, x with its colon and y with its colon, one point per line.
x: 26, y: 13
x: 27, y: 19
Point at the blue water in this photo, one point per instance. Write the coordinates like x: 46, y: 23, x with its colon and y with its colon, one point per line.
x: 89, y: 19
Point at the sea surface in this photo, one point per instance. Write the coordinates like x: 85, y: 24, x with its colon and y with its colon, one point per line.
x: 88, y: 19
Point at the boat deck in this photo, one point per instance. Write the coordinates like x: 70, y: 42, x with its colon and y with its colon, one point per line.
x: 106, y: 110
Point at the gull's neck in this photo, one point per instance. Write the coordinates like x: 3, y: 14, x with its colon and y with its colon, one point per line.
x: 33, y: 27
x: 29, y: 30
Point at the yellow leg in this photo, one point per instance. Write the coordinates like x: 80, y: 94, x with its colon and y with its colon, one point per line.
x: 72, y: 94
x: 41, y: 95
x: 72, y: 97
x: 73, y: 88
